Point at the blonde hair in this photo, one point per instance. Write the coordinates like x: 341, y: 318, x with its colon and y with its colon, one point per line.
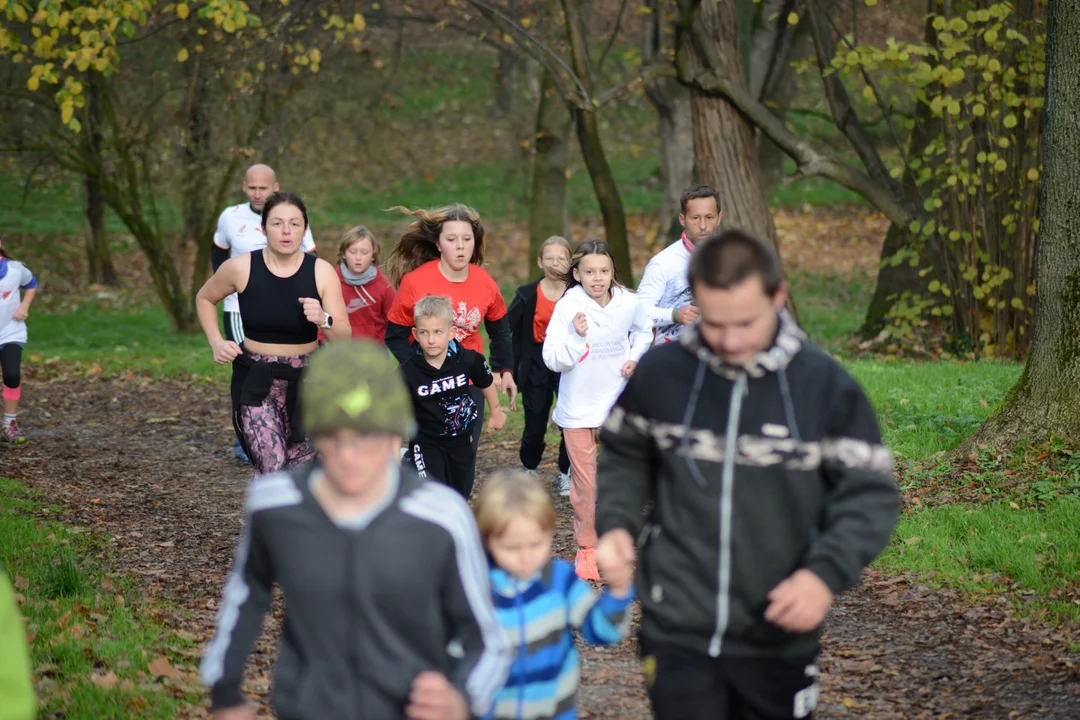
x: 354, y: 235
x: 556, y: 240
x: 420, y: 242
x: 505, y: 495
x: 434, y: 306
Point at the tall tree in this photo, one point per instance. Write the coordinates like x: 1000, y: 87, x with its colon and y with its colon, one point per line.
x: 99, y: 263
x: 1046, y: 399
x: 707, y: 37
x: 574, y: 77
x: 547, y: 203
x: 675, y: 121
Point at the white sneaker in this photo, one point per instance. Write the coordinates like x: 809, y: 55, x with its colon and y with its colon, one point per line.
x: 564, y: 484
x: 527, y: 471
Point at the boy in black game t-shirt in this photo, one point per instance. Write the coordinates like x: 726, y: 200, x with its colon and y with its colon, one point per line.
x: 438, y: 375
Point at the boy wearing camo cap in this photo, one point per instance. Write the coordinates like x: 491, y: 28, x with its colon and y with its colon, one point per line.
x: 388, y: 609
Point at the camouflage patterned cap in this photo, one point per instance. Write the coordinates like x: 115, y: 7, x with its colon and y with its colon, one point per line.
x: 355, y: 384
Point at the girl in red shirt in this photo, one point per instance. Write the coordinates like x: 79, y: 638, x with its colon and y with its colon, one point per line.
x: 530, y: 313
x: 368, y: 294
x: 440, y: 253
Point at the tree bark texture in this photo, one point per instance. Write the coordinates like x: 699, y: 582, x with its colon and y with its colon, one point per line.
x: 99, y: 264
x: 676, y: 126
x: 547, y: 205
x: 592, y: 148
x: 724, y: 141
x: 1046, y: 399
x: 198, y: 213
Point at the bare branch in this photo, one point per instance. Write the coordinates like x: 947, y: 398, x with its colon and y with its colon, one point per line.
x: 644, y: 78
x: 611, y: 39
x: 809, y: 161
x: 540, y: 52
x: 844, y: 114
x: 442, y: 22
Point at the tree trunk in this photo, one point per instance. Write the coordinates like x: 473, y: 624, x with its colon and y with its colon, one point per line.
x: 504, y: 79
x: 607, y: 193
x: 1046, y: 399
x: 198, y: 213
x: 676, y: 126
x: 723, y: 138
x: 592, y: 148
x: 676, y: 155
x: 99, y: 264
x: 547, y: 205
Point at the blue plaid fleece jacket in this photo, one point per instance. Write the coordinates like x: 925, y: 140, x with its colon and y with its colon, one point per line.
x: 538, y: 617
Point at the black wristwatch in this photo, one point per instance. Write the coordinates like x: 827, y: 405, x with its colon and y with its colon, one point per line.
x: 329, y: 321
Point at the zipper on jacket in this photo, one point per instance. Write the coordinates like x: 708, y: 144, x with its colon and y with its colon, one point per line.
x: 727, y: 491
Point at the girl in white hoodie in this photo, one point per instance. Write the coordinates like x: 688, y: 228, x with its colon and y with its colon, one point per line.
x: 597, y: 334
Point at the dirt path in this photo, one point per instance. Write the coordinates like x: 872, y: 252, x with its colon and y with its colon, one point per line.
x: 149, y: 465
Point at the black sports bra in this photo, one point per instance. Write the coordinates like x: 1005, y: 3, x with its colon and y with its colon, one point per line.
x: 270, y: 307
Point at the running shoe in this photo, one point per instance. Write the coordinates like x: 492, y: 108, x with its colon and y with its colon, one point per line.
x: 12, y: 434
x: 585, y: 564
x: 242, y: 456
x: 530, y: 473
x: 564, y: 483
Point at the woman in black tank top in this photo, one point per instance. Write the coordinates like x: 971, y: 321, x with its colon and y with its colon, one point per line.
x: 286, y: 295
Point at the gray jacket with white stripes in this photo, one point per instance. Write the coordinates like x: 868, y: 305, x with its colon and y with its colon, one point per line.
x: 753, y: 472
x: 366, y: 610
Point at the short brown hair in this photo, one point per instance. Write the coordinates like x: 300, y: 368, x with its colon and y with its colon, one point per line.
x: 696, y: 192
x: 506, y: 495
x: 729, y: 257
x: 556, y: 240
x: 354, y: 235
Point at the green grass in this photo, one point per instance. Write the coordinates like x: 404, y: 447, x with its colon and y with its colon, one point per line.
x: 83, y: 623
x: 925, y: 407
x: 985, y: 550
x: 118, y: 342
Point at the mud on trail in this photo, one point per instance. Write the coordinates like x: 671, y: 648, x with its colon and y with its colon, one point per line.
x: 149, y: 465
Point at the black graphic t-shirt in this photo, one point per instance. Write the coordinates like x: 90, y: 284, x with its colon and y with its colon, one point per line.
x: 444, y: 406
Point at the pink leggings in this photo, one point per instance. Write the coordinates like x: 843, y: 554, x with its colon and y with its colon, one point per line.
x: 581, y: 447
x: 266, y: 429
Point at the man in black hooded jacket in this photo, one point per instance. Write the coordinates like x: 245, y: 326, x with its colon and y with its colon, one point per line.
x: 771, y: 491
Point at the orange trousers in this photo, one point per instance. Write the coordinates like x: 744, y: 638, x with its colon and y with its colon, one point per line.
x: 581, y: 446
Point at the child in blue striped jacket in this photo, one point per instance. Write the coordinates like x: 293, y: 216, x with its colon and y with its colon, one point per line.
x: 540, y: 601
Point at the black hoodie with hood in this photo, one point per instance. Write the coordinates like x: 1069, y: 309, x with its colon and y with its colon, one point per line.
x: 754, y: 472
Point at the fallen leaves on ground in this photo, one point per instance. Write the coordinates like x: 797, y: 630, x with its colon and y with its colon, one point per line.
x: 171, y: 507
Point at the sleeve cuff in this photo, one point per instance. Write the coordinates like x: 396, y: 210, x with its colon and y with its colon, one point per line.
x: 611, y: 605
x: 829, y: 573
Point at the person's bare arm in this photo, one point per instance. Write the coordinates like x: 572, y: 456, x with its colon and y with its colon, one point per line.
x: 332, y: 302
x: 23, y: 311
x: 227, y: 280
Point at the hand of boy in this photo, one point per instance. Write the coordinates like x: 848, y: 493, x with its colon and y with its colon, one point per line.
x: 496, y: 420
x: 581, y: 324
x: 434, y: 698
x: 800, y: 603
x: 615, y: 560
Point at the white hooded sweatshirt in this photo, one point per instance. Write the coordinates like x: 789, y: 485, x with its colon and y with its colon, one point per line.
x: 591, y: 366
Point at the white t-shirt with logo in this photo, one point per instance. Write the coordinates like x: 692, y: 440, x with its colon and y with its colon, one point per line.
x: 239, y: 230
x: 18, y: 277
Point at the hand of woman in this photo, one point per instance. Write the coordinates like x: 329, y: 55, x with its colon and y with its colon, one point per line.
x: 226, y: 351
x: 313, y: 311
x: 628, y: 368
x: 21, y: 313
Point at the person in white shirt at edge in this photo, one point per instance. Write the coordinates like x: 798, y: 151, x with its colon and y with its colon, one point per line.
x: 239, y: 231
x: 597, y: 334
x: 663, y: 289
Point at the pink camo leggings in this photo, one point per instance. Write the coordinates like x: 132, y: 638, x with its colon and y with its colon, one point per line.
x: 266, y: 427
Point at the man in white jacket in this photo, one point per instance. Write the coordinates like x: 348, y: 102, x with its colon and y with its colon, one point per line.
x: 664, y: 291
